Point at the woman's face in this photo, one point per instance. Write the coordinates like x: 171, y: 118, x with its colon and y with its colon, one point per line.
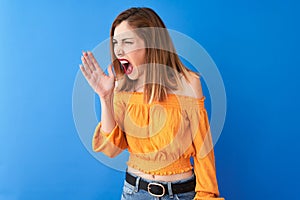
x: 129, y: 49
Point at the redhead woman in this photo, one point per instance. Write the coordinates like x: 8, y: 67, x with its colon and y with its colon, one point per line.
x: 152, y: 105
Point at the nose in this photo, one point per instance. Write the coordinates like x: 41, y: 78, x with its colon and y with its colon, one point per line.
x: 119, y: 51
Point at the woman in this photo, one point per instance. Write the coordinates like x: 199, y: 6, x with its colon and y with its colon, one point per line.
x: 153, y: 106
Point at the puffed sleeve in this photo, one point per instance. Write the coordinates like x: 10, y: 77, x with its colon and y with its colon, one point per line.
x: 113, y: 143
x: 204, y: 161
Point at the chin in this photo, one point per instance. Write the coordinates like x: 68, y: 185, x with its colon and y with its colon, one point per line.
x: 134, y: 75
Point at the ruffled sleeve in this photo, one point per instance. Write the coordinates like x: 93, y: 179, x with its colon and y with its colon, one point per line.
x: 204, y: 161
x: 113, y: 143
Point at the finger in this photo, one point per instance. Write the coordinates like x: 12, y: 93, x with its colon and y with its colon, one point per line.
x: 110, y: 72
x: 95, y: 63
x: 86, y: 62
x: 86, y: 65
x: 89, y: 77
x: 85, y: 73
x: 89, y: 61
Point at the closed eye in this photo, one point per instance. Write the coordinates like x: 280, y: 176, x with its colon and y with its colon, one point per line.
x: 128, y: 43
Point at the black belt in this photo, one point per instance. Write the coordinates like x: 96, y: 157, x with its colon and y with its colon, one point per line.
x: 158, y: 189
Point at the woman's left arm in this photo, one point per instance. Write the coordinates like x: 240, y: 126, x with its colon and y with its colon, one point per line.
x: 204, y: 161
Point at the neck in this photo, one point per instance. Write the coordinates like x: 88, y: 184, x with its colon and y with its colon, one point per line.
x: 140, y: 83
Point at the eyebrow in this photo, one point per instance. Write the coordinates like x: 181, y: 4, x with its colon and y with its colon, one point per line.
x: 124, y: 39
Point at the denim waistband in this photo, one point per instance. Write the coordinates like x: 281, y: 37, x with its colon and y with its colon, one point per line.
x: 165, y: 182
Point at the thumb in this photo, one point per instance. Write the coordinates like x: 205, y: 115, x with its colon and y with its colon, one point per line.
x: 110, y: 72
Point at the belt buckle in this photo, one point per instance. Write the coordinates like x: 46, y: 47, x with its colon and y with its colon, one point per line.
x: 156, y: 184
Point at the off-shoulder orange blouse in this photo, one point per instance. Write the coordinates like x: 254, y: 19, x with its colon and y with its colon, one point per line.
x: 161, y: 137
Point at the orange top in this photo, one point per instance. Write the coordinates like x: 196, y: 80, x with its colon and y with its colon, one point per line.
x: 161, y: 137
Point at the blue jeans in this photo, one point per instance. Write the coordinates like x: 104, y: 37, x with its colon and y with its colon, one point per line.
x: 131, y: 192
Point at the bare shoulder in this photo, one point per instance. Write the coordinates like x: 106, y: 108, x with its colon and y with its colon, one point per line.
x: 195, y: 84
x: 191, y: 86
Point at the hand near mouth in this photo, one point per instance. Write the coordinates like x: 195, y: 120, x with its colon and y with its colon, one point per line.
x: 101, y: 83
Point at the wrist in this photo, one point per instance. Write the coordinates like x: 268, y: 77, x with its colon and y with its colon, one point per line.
x: 107, y: 99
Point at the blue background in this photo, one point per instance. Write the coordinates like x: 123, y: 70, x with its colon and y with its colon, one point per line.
x: 255, y: 45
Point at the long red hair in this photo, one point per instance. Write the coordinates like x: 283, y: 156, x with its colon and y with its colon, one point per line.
x: 164, y: 66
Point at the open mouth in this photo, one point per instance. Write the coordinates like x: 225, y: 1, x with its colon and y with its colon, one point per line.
x: 126, y: 65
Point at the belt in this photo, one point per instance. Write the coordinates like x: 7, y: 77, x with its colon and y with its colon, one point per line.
x: 158, y: 189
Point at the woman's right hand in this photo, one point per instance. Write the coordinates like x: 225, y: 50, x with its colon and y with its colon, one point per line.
x: 101, y: 83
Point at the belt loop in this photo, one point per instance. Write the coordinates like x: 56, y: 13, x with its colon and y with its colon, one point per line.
x: 137, y: 183
x: 170, y: 190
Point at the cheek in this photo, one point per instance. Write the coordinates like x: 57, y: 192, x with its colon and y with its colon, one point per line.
x: 115, y: 52
x: 139, y: 56
x: 137, y: 50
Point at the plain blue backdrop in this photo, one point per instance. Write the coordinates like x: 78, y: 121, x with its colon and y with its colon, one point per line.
x: 255, y: 45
